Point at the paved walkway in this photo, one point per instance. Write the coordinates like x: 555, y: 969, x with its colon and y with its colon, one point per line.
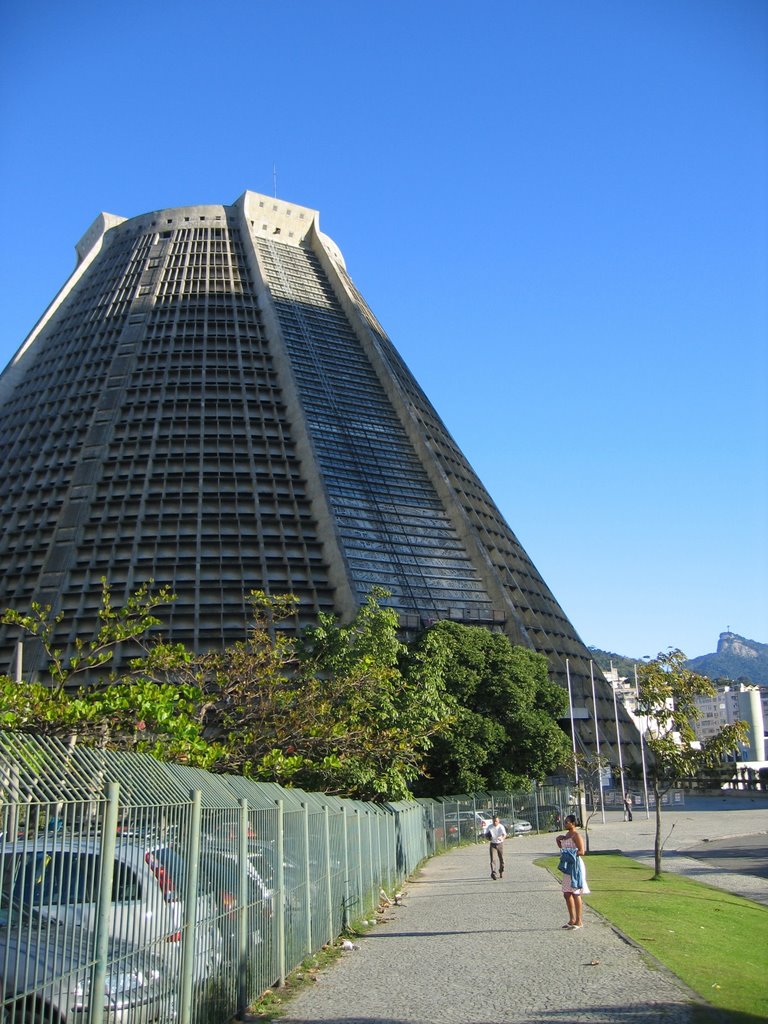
x: 465, y: 950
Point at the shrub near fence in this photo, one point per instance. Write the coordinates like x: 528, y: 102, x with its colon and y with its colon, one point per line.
x: 134, y: 891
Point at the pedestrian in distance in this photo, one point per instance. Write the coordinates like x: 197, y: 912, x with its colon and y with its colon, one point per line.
x: 497, y: 834
x: 571, y: 846
x: 627, y: 806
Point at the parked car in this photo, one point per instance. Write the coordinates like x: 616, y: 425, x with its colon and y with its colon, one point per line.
x: 518, y: 826
x: 46, y: 975
x: 59, y: 877
x: 169, y: 866
x: 262, y: 857
x: 548, y: 816
x: 262, y: 870
x: 462, y: 825
x: 220, y: 877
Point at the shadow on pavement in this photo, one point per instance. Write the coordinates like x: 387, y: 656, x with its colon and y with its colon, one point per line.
x: 748, y: 855
x: 702, y: 1014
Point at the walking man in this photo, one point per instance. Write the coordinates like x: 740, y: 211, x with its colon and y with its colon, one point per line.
x: 497, y: 834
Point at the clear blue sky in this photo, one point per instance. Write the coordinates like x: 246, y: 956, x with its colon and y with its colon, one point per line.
x: 557, y: 210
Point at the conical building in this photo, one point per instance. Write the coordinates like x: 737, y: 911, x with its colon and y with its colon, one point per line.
x: 210, y: 404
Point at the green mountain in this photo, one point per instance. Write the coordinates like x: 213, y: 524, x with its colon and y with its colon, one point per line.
x: 735, y: 658
x: 623, y: 665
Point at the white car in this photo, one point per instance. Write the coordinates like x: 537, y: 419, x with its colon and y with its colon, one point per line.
x: 59, y: 878
x: 518, y: 827
x: 46, y: 976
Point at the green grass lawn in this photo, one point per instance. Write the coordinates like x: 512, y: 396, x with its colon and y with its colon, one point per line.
x: 714, y: 942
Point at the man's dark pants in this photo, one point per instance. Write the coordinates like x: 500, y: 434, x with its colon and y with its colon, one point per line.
x: 499, y: 848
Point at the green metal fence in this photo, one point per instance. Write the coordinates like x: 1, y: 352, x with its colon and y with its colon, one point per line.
x: 133, y: 891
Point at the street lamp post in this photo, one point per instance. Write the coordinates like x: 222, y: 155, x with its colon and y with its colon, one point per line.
x: 573, y: 729
x: 618, y: 743
x: 597, y: 740
x: 642, y: 745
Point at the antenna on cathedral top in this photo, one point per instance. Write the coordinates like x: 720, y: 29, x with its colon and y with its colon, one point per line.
x: 274, y: 178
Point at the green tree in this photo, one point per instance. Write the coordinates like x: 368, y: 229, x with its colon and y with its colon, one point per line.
x: 667, y: 696
x: 117, y: 626
x: 344, y: 709
x: 251, y: 695
x: 503, y: 730
x: 134, y: 709
x: 388, y: 702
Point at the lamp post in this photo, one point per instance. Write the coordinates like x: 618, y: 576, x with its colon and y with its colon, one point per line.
x: 642, y: 745
x: 597, y: 740
x: 573, y: 730
x: 618, y: 742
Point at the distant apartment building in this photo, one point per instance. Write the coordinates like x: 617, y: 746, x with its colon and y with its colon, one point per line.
x: 735, y: 702
x: 731, y: 702
x: 625, y: 690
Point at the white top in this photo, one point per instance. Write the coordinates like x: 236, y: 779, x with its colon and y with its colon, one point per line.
x: 497, y: 833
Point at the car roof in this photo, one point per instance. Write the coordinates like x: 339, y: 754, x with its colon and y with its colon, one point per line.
x: 58, y: 844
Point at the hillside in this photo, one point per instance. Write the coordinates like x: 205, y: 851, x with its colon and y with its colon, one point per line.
x: 623, y: 665
x: 735, y: 658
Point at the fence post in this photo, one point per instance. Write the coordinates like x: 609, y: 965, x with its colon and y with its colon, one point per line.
x: 189, y: 932
x: 328, y: 879
x: 359, y: 859
x: 536, y: 796
x: 242, y: 911
x: 373, y: 853
x: 280, y: 895
x: 307, y: 882
x: 393, y: 826
x: 102, y: 937
x: 345, y: 909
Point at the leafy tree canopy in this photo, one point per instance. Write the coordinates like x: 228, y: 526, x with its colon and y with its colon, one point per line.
x: 116, y: 626
x: 130, y: 710
x: 344, y: 709
x: 504, y: 729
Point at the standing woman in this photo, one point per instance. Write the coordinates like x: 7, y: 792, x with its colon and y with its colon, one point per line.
x: 575, y: 879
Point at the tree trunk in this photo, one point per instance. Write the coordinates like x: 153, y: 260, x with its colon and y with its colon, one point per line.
x: 657, y: 841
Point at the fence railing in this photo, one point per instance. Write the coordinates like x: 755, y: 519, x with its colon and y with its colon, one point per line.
x: 133, y: 891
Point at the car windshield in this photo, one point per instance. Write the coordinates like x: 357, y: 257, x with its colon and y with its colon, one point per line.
x: 45, y: 878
